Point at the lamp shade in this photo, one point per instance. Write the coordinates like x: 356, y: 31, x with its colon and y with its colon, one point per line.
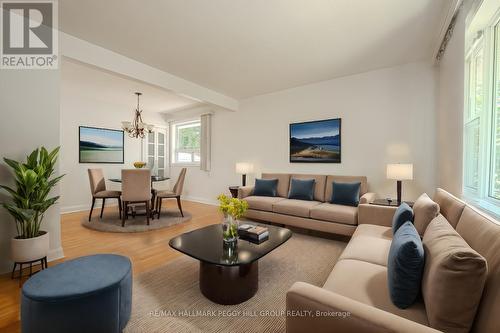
x: 243, y: 168
x: 126, y: 124
x: 400, y: 171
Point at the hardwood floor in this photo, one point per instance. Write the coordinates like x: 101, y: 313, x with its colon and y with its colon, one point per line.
x: 146, y: 250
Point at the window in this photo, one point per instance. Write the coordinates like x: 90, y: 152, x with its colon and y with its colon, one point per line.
x: 472, y: 122
x: 494, y: 190
x: 482, y: 120
x: 186, y: 142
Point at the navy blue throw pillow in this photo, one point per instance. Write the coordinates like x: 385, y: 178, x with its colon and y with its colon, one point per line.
x: 345, y: 194
x: 266, y: 187
x: 405, y: 266
x: 302, y: 189
x: 403, y: 214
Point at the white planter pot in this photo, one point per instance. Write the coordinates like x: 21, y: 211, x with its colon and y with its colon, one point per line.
x: 30, y: 249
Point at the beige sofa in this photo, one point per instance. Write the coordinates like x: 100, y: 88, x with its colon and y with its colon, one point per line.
x: 318, y: 214
x: 358, y: 283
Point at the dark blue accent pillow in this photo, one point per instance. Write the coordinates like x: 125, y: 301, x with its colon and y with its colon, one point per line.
x: 403, y: 214
x: 345, y: 194
x: 266, y: 187
x: 302, y: 189
x: 405, y: 266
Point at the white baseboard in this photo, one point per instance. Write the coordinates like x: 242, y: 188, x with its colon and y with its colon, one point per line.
x: 81, y: 208
x: 55, y: 254
x: 200, y: 200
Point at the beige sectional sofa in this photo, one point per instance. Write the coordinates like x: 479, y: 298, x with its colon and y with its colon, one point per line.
x: 357, y: 284
x: 318, y: 214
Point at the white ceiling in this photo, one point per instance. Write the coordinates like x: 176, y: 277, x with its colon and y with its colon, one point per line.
x: 113, y: 89
x: 244, y: 48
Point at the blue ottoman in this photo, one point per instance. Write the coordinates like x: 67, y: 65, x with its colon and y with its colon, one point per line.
x: 87, y: 294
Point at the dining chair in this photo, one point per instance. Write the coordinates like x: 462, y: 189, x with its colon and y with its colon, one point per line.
x: 136, y: 188
x: 99, y: 191
x: 175, y: 193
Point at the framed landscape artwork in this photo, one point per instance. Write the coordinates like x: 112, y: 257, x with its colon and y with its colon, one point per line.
x: 315, y: 141
x: 100, y: 145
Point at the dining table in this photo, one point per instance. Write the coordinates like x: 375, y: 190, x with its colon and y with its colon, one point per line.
x: 154, y: 179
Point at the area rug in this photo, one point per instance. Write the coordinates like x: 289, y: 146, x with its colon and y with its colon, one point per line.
x: 168, y: 298
x: 111, y: 222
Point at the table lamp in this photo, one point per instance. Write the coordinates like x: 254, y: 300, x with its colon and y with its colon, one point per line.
x: 244, y: 168
x: 399, y: 172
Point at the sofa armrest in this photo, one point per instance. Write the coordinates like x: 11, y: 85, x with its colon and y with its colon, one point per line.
x: 313, y: 309
x: 375, y: 214
x: 245, y: 191
x: 367, y: 198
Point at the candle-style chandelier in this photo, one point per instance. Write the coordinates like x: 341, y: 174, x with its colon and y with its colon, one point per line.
x: 137, y: 128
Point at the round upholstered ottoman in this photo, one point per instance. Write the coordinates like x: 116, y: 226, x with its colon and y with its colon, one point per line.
x: 87, y: 294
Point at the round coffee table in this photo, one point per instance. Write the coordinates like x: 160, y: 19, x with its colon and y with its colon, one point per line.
x: 228, y: 274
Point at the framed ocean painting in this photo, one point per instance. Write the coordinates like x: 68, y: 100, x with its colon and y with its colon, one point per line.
x: 101, y: 145
x: 316, y: 141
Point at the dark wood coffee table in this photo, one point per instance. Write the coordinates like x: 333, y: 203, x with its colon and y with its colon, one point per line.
x: 228, y: 275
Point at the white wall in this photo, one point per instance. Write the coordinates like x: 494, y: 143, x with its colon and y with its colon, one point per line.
x: 388, y: 116
x: 81, y: 106
x: 29, y: 107
x: 450, y: 110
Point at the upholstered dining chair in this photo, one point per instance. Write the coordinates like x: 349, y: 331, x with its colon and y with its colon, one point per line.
x: 174, y: 194
x: 99, y: 191
x: 136, y: 188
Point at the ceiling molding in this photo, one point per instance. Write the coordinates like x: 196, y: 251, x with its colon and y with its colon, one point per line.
x: 452, y: 9
x: 88, y: 53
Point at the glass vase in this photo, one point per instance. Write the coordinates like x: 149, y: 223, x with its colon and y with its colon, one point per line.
x: 230, y: 230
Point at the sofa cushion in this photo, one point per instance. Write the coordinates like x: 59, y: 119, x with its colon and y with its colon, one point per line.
x: 335, y: 213
x: 405, y: 266
x: 403, y: 214
x: 262, y: 203
x: 266, y: 187
x: 370, y: 243
x: 345, y: 179
x: 424, y: 211
x: 319, y: 184
x: 373, y: 230
x: 294, y: 207
x: 454, y: 277
x: 450, y: 206
x: 345, y: 194
x: 301, y: 189
x: 283, y: 182
x: 482, y: 233
x: 367, y: 283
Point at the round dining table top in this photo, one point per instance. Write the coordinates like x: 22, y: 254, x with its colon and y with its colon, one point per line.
x: 153, y: 179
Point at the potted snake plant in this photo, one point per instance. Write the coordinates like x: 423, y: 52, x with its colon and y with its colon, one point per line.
x: 34, y: 179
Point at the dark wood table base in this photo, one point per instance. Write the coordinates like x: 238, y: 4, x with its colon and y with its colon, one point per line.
x: 229, y: 285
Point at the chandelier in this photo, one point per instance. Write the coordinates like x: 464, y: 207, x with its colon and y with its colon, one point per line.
x: 137, y: 128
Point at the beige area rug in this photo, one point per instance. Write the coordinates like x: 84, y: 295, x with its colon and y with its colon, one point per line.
x: 111, y: 222
x: 168, y: 298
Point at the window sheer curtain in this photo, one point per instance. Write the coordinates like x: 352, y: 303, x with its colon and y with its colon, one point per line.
x: 206, y: 141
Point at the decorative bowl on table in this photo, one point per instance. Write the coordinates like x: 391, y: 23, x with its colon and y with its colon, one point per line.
x: 139, y: 165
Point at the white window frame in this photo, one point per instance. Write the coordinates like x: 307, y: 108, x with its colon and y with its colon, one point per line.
x: 481, y: 197
x: 173, y: 142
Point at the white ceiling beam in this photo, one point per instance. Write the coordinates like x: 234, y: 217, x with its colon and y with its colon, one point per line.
x: 100, y: 57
